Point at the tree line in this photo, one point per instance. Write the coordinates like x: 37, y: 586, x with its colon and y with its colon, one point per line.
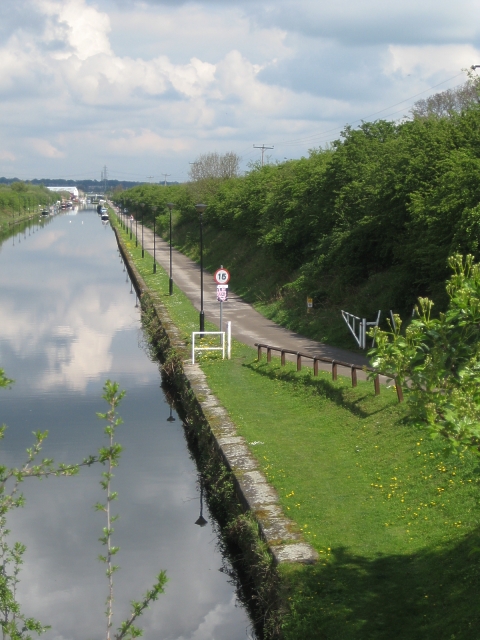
x: 368, y: 222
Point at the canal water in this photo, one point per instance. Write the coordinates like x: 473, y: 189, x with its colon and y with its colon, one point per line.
x: 69, y: 321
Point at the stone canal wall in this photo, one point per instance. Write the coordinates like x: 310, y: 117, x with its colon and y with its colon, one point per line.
x: 244, y: 503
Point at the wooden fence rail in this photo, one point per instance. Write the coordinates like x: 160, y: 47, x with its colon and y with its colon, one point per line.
x: 334, y: 364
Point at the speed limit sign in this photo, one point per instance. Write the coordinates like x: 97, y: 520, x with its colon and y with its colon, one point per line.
x: 221, y: 276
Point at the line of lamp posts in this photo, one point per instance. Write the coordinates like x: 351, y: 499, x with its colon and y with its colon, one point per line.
x: 200, y: 209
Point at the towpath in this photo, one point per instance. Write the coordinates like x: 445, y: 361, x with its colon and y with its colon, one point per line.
x: 248, y: 326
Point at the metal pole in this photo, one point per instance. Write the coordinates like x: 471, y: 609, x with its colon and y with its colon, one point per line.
x: 143, y: 250
x: 154, y: 262
x: 202, y: 313
x: 229, y: 339
x: 136, y: 228
x: 221, y: 313
x: 170, y: 283
x: 154, y: 208
x: 200, y: 209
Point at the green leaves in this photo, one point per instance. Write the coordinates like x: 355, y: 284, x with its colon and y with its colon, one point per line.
x: 110, y: 456
x: 438, y: 359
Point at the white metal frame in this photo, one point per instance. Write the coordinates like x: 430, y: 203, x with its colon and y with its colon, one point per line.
x: 222, y: 334
x: 360, y: 332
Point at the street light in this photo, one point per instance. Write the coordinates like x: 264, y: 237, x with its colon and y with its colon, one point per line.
x: 136, y: 226
x: 170, y: 205
x: 143, y: 207
x: 154, y: 208
x: 135, y: 207
x: 200, y: 209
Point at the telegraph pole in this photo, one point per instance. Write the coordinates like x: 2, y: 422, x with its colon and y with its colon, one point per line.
x: 263, y: 147
x: 166, y: 175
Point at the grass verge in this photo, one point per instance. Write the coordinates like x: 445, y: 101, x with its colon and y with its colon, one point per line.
x: 394, y: 518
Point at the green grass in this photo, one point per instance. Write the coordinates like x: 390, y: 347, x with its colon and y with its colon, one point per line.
x: 394, y: 517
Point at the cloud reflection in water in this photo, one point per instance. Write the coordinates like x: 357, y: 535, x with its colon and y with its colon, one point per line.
x: 68, y: 324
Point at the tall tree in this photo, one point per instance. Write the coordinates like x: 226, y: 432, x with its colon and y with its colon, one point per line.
x: 215, y: 165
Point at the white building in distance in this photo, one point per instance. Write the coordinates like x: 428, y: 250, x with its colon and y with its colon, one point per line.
x: 73, y: 191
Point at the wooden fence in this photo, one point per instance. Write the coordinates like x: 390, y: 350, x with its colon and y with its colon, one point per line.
x: 334, y: 364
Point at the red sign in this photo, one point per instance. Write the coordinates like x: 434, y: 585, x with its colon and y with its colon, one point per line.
x: 221, y: 276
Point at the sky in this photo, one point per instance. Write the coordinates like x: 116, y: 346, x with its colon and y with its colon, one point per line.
x: 144, y: 87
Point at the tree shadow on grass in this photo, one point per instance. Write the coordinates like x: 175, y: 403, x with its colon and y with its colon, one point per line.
x: 320, y: 387
x: 431, y: 594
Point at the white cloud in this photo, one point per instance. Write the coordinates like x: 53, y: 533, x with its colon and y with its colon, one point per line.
x: 144, y: 141
x: 131, y: 83
x: 83, y: 28
x: 426, y: 60
x: 44, y: 148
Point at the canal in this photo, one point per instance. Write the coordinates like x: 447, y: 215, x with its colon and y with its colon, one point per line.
x: 69, y: 321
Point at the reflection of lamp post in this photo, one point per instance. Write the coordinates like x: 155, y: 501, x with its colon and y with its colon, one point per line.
x: 154, y: 208
x: 170, y: 205
x: 200, y: 209
x: 201, y: 520
x: 143, y: 207
x: 170, y: 417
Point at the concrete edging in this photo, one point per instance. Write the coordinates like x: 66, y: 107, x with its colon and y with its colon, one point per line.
x: 282, y: 535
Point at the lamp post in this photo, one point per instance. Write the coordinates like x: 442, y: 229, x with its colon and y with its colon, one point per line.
x: 170, y: 205
x: 200, y: 209
x: 131, y: 225
x: 136, y: 227
x: 154, y: 208
x: 135, y: 208
x: 143, y: 207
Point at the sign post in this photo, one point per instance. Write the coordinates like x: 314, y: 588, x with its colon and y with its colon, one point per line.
x: 222, y: 277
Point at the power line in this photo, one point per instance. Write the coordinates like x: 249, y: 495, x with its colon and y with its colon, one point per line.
x: 312, y: 137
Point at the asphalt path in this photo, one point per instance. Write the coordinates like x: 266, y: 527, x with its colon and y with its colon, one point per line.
x: 248, y: 326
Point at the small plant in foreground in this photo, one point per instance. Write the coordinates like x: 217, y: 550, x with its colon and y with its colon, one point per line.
x: 13, y: 623
x: 110, y: 456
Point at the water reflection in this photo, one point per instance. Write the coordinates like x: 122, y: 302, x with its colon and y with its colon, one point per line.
x: 68, y: 322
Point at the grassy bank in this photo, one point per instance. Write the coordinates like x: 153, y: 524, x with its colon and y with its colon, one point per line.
x: 393, y: 517
x: 21, y: 201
